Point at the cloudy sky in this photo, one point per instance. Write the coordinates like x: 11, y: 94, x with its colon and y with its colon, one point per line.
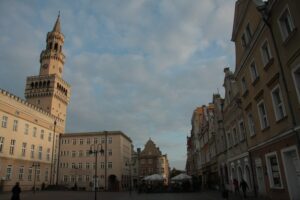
x: 139, y: 66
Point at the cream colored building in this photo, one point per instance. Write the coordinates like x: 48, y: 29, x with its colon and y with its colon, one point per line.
x: 77, y: 164
x: 30, y: 128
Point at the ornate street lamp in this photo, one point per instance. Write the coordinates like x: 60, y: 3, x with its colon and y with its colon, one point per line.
x: 94, y: 149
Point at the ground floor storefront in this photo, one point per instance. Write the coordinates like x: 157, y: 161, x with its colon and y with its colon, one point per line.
x: 277, y: 168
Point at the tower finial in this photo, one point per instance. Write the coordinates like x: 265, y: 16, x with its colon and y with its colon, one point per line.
x: 56, y: 27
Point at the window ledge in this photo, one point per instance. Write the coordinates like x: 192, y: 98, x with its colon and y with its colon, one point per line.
x: 268, y: 64
x: 289, y: 37
x: 254, y: 82
x: 265, y: 129
x: 281, y: 119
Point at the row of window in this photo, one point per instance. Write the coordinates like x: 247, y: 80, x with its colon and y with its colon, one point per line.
x: 236, y: 135
x: 82, y: 153
x: 15, y: 126
x: 12, y: 149
x: 29, y: 176
x: 79, y: 178
x: 88, y: 141
x: 85, y: 165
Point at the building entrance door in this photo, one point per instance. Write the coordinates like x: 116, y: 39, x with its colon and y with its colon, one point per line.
x: 260, y: 177
x: 292, y: 170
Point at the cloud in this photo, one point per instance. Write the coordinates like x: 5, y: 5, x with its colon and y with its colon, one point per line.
x: 136, y: 66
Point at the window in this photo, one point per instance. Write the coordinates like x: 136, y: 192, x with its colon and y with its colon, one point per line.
x: 26, y: 130
x: 79, y: 165
x: 73, y: 153
x: 244, y: 85
x: 286, y: 24
x: 103, y: 140
x: 4, y: 121
x: 253, y: 70
x: 87, y: 153
x: 34, y: 132
x: 88, y: 141
x: 32, y: 151
x: 242, y: 130
x: 12, y: 147
x: 266, y: 53
x: 109, y: 140
x: 251, y: 124
x: 81, y: 141
x: 42, y: 134
x: 66, y: 178
x: 80, y: 153
x: 1, y: 143
x: 87, y: 165
x: 21, y: 173
x: 95, y: 140
x: 246, y: 37
x: 15, y: 125
x: 40, y: 152
x: 87, y: 178
x: 278, y: 103
x: 296, y: 78
x: 73, y: 166
x: 48, y: 154
x: 24, y: 144
x: 109, y: 165
x: 9, y: 172
x: 273, y: 170
x: 102, y: 165
x: 38, y: 172
x: 235, y: 136
x: 74, y: 141
x: 109, y: 152
x: 46, y: 174
x: 248, y: 32
x: 262, y: 115
x: 29, y: 174
x: 73, y: 178
x: 49, y: 137
x: 228, y: 140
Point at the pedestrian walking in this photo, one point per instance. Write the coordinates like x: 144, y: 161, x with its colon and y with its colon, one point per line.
x: 236, y: 186
x: 244, y: 187
x: 16, y: 190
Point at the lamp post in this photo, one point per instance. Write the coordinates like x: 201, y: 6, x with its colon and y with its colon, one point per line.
x: 94, y: 149
x: 35, y: 165
x: 128, y: 163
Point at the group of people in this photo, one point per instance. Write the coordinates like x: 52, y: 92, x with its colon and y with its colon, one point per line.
x: 243, y: 185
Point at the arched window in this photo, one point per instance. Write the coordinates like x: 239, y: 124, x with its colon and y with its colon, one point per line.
x: 40, y: 84
x: 55, y: 46
x: 48, y: 83
x: 36, y: 84
x: 32, y: 85
x: 44, y: 84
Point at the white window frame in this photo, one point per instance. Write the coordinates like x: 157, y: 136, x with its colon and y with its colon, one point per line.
x: 12, y: 147
x: 265, y: 60
x: 4, y: 121
x: 251, y: 124
x: 242, y: 130
x: 29, y: 177
x: 15, y: 125
x: 284, y: 33
x: 270, y: 173
x: 296, y: 70
x: 261, y: 118
x: 48, y: 154
x: 24, y: 145
x: 21, y: 173
x: 34, y: 130
x: 1, y: 144
x: 26, y: 129
x: 49, y: 136
x: 255, y: 76
x: 276, y: 107
x: 9, y: 172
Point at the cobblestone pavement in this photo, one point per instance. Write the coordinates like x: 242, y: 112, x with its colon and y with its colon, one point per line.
x: 78, y: 195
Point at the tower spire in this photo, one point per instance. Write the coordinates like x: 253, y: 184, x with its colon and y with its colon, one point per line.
x: 56, y: 27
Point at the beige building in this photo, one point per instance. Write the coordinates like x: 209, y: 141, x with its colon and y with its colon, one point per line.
x: 77, y: 162
x: 267, y: 47
x: 30, y: 128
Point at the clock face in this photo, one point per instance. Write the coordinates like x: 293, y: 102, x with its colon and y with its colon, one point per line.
x: 45, y: 66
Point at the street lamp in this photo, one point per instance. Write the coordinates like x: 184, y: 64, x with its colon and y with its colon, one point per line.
x: 94, y: 149
x: 128, y: 164
x: 35, y: 165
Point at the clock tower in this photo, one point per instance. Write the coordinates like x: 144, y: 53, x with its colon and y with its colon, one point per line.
x: 48, y: 90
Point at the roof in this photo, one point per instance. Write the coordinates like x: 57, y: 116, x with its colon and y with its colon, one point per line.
x: 56, y: 27
x: 99, y: 133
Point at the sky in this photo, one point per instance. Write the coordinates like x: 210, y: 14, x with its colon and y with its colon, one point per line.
x: 137, y: 66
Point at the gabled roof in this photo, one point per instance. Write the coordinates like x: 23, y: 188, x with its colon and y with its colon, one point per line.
x: 239, y: 14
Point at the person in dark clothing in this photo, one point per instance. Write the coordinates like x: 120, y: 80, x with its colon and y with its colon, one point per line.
x: 236, y: 186
x: 16, y: 190
x: 244, y: 187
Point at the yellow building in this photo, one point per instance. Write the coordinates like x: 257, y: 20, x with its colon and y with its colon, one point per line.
x: 30, y: 128
x: 78, y: 158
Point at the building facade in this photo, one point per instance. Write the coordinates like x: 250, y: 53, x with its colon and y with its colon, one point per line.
x: 77, y: 163
x: 30, y: 128
x: 152, y: 161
